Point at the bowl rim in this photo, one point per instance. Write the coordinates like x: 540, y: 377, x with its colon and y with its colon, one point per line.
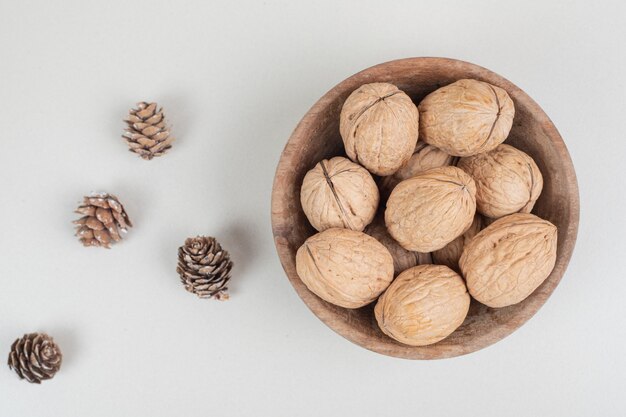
x: 363, y: 339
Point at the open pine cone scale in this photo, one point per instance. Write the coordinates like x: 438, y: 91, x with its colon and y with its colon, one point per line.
x: 35, y: 357
x: 104, y: 220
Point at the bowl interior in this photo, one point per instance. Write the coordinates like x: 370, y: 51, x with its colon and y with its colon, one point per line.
x: 317, y: 137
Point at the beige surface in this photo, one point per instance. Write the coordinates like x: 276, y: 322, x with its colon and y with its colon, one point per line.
x: 234, y: 79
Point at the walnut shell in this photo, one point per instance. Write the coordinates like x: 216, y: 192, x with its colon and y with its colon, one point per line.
x: 449, y: 255
x: 507, y: 181
x: 424, y: 157
x: 379, y: 127
x: 339, y: 193
x: 344, y: 267
x: 430, y: 210
x: 466, y: 118
x: 424, y: 305
x: 509, y: 259
x: 402, y: 259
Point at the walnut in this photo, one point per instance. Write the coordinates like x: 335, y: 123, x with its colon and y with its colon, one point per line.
x: 339, y: 193
x: 430, y: 210
x: 507, y: 181
x: 449, y: 255
x: 344, y: 267
x: 509, y: 259
x: 424, y: 157
x: 466, y: 117
x: 379, y: 127
x: 402, y: 259
x: 424, y: 305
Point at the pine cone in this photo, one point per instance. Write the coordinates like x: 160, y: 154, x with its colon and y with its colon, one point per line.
x: 35, y: 357
x: 104, y: 220
x: 146, y: 133
x: 204, y: 267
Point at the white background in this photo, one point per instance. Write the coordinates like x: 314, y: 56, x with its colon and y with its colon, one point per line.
x: 235, y: 77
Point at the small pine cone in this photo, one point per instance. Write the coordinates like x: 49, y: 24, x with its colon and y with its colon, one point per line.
x: 35, y: 357
x: 204, y: 267
x: 104, y: 220
x: 146, y: 132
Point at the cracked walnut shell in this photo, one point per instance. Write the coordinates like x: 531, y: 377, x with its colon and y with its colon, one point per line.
x: 339, y: 193
x: 509, y: 259
x: 430, y: 210
x: 507, y: 181
x: 344, y: 267
x: 379, y: 127
x: 424, y: 305
x: 466, y: 118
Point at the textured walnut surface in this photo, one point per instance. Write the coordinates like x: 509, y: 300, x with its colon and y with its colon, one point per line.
x: 507, y: 181
x: 424, y: 157
x: 339, y: 193
x: 402, y: 259
x: 450, y: 254
x: 509, y: 259
x: 428, y: 211
x: 423, y: 305
x: 314, y: 138
x: 379, y: 127
x: 466, y: 117
x: 344, y: 267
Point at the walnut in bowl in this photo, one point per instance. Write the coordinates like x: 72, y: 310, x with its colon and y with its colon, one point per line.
x: 339, y: 193
x: 317, y: 137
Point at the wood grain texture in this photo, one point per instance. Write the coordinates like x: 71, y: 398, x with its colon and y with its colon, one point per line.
x: 317, y: 137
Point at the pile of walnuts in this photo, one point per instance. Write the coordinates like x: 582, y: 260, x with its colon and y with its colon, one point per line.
x: 447, y: 217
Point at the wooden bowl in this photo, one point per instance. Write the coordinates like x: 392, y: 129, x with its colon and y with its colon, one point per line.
x: 317, y: 137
